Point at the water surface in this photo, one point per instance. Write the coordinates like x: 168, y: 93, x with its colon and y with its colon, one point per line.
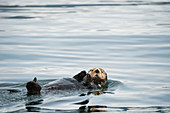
x: 53, y: 39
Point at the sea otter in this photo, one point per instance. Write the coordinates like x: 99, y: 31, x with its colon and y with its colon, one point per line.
x: 95, y: 78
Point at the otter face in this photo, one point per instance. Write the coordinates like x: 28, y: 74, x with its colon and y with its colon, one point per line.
x: 97, y: 72
x: 97, y: 77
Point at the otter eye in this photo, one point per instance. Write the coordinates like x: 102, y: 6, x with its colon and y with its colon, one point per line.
x: 91, y: 70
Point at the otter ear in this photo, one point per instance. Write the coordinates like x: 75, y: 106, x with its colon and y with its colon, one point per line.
x: 35, y: 79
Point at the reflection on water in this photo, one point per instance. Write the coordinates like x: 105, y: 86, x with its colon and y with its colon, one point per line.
x: 53, y: 39
x: 84, y: 109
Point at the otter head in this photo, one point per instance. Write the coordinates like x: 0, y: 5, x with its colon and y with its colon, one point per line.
x: 33, y: 87
x: 96, y: 78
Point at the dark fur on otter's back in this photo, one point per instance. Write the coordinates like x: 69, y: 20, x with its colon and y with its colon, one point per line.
x: 75, y: 83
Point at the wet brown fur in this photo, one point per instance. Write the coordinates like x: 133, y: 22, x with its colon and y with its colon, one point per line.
x: 95, y: 78
x: 33, y: 87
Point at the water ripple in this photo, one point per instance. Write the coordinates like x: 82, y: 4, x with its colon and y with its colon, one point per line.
x: 19, y: 17
x: 86, y: 5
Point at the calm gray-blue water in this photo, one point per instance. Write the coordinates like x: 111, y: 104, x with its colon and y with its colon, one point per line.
x: 53, y: 39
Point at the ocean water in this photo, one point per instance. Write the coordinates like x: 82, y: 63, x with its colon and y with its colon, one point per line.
x: 129, y: 39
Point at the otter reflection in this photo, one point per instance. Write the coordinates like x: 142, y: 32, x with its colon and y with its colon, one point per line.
x: 97, y: 108
x: 94, y: 93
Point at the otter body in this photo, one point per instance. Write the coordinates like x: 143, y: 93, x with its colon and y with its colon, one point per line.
x: 63, y: 84
x: 95, y: 78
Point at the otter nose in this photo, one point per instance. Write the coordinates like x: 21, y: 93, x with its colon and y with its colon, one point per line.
x: 97, y: 71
